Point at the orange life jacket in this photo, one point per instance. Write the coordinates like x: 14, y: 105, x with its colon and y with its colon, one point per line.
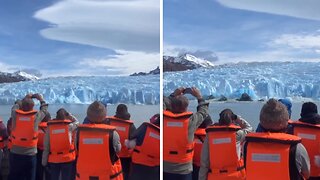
x: 41, y: 132
x: 148, y: 153
x: 310, y: 135
x: 199, y: 137
x: 24, y: 133
x: 123, y: 129
x: 225, y: 163
x: 176, y: 146
x: 271, y: 156
x: 95, y: 143
x: 61, y: 144
x: 1, y: 142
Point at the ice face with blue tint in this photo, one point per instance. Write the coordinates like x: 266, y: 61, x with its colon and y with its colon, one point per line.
x: 261, y: 80
x: 84, y: 90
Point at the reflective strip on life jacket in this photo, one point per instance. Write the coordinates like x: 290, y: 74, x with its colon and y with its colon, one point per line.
x: 61, y: 144
x: 268, y: 154
x: 148, y: 153
x: 24, y: 133
x: 94, y: 156
x: 310, y: 138
x: 177, y: 148
x: 41, y: 132
x: 224, y: 160
x: 123, y: 129
x: 199, y: 137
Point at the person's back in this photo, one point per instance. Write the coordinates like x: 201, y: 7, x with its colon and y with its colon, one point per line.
x: 179, y: 128
x: 24, y: 137
x: 274, y: 154
x: 308, y: 129
x: 221, y: 152
x: 42, y: 128
x: 198, y: 141
x: 125, y: 128
x: 59, y: 147
x: 146, y: 155
x: 97, y: 145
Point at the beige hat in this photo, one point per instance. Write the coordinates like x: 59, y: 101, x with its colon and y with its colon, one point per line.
x: 96, y: 112
x: 274, y: 116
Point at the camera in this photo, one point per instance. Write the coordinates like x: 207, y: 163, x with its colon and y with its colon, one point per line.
x: 187, y: 91
x: 234, y: 117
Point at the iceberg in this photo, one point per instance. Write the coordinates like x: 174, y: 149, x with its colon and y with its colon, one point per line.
x: 84, y: 90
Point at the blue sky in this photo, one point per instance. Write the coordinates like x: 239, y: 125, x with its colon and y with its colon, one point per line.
x: 243, y: 30
x: 79, y: 37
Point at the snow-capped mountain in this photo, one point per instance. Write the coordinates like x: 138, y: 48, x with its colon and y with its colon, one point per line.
x: 184, y: 62
x: 259, y: 80
x: 18, y: 76
x: 84, y: 90
x: 26, y: 75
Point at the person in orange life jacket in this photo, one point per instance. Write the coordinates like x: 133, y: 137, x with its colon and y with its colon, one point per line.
x: 266, y: 154
x: 199, y: 137
x: 125, y: 128
x: 179, y: 128
x: 24, y: 137
x: 97, y: 158
x: 3, y: 141
x: 41, y: 171
x: 146, y: 156
x: 214, y: 155
x: 59, y: 146
x: 308, y: 128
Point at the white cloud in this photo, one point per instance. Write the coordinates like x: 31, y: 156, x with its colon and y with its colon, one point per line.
x: 131, y: 61
x: 307, y: 9
x: 297, y: 41
x: 5, y: 67
x: 131, y: 25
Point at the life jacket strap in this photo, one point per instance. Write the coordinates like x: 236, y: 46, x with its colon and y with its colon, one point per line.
x: 136, y: 150
x: 97, y: 177
x: 226, y: 170
x: 116, y: 174
x: 65, y: 152
x: 25, y: 139
x: 176, y: 152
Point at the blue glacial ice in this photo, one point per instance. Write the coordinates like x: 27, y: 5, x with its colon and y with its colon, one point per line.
x: 84, y: 90
x: 261, y: 80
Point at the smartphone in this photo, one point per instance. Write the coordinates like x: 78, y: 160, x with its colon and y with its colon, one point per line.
x: 187, y: 91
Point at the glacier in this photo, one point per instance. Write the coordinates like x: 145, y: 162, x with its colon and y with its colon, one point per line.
x: 84, y: 90
x: 261, y: 80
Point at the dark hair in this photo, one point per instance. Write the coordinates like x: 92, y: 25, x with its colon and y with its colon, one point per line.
x: 62, y: 114
x: 47, y: 117
x: 122, y: 112
x: 179, y: 104
x: 27, y: 104
x: 155, y: 119
x: 206, y: 122
x: 226, y: 117
x: 308, y: 108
